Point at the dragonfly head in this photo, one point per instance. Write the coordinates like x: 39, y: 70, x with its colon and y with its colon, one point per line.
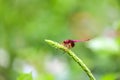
x: 68, y: 43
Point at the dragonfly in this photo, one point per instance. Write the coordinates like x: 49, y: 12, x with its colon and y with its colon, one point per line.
x: 71, y: 43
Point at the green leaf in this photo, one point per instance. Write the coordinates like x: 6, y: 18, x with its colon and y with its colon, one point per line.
x: 25, y: 77
x: 109, y: 77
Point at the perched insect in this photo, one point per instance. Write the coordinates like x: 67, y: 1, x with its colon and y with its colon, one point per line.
x: 71, y: 43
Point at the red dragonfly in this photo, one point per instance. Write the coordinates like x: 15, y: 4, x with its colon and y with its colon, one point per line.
x: 71, y: 43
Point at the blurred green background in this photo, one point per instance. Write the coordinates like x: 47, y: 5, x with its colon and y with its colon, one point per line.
x: 25, y: 24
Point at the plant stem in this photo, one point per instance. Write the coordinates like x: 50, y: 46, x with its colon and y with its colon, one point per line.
x: 72, y: 54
